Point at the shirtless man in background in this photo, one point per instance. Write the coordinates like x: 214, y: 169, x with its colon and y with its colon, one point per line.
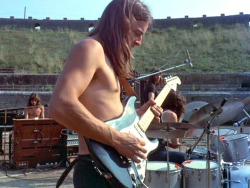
x: 34, y: 109
x: 87, y: 92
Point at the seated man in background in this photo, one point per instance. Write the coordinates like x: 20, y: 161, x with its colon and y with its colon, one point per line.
x: 174, y: 107
x: 34, y: 109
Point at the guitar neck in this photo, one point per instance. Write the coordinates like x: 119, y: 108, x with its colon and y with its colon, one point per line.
x: 148, y: 116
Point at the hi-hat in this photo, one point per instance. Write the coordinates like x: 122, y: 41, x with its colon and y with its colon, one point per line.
x: 228, y: 111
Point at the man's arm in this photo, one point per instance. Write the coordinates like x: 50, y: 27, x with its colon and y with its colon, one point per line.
x: 42, y: 112
x: 26, y: 113
x: 65, y: 107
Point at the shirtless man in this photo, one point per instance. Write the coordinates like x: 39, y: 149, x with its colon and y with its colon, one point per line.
x: 87, y: 92
x: 34, y: 109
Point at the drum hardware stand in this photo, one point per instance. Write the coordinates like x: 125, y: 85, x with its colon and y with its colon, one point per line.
x: 207, y: 131
x: 4, y: 143
x: 216, y: 113
x: 241, y: 122
x: 246, y: 113
x: 168, y: 167
x: 190, y: 150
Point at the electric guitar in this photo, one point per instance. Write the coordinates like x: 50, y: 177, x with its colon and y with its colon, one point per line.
x: 120, y: 170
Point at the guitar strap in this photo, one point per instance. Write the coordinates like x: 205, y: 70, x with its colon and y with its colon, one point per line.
x: 126, y: 86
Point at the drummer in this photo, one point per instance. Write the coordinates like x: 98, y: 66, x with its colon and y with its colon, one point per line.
x: 174, y: 108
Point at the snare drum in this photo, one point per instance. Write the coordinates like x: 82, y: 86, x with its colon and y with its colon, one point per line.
x: 202, y: 153
x: 236, y: 148
x: 157, y: 177
x: 214, y: 137
x: 236, y: 176
x: 195, y: 174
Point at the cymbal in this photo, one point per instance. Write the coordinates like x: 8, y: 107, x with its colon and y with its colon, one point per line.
x: 228, y: 111
x: 162, y: 131
x: 173, y: 125
x: 191, y: 108
x: 162, y: 134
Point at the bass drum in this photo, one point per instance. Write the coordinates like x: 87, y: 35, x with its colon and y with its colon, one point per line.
x: 236, y: 176
x: 195, y: 174
x: 157, y: 177
x: 202, y: 153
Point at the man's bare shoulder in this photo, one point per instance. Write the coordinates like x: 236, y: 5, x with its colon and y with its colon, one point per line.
x: 89, y: 51
x: 169, y: 116
x: 89, y: 44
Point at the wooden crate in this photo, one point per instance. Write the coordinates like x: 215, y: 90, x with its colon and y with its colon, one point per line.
x: 36, y: 142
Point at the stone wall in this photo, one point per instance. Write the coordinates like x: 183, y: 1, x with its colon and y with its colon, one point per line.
x: 79, y: 25
x: 189, y: 23
x: 16, y: 88
x: 84, y: 25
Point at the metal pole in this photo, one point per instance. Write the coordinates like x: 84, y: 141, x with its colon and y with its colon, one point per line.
x: 24, y: 13
x: 5, y: 124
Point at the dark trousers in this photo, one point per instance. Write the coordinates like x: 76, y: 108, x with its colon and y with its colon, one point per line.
x: 160, y: 154
x: 85, y: 176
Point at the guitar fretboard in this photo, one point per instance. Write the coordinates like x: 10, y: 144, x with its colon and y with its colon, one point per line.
x: 148, y: 115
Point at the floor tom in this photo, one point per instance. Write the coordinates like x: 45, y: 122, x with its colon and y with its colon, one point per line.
x: 157, y: 177
x: 236, y: 148
x: 195, y: 174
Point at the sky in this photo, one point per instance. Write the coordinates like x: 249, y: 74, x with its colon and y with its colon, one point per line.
x: 92, y: 9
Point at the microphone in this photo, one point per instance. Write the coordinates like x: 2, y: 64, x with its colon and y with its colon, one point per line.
x: 189, y: 60
x: 236, y: 124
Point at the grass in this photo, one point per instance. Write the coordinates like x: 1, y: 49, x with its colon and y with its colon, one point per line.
x: 212, y: 50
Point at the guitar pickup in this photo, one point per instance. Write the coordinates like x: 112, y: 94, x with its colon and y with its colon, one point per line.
x: 125, y: 161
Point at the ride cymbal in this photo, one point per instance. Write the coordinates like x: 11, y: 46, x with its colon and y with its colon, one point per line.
x: 228, y: 111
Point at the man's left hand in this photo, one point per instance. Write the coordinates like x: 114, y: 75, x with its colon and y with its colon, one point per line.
x: 157, y: 110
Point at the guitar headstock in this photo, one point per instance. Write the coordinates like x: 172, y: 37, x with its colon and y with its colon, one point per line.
x: 172, y: 82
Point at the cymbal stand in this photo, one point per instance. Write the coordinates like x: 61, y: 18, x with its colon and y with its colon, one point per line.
x: 4, y: 141
x: 209, y: 123
x: 190, y: 150
x: 207, y: 131
x: 246, y: 113
x: 168, y: 167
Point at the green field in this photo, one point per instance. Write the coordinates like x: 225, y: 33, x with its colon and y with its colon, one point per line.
x: 216, y: 49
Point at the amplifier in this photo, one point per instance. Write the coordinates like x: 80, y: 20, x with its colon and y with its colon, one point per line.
x: 69, y: 144
x: 35, y: 142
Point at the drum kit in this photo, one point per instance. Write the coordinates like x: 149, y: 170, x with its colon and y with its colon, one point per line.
x: 224, y: 159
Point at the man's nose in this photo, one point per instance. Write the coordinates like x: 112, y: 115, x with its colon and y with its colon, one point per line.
x: 138, y: 41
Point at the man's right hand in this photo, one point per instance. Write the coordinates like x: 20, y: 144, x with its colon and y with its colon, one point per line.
x: 131, y: 147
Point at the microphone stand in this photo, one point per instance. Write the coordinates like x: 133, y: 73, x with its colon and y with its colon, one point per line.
x: 186, y: 62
